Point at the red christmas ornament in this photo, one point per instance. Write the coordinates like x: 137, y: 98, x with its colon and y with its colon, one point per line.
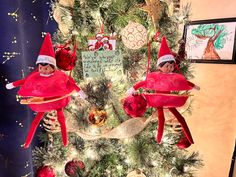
x: 65, y: 58
x: 73, y: 167
x: 183, y: 143
x: 135, y: 105
x: 45, y: 171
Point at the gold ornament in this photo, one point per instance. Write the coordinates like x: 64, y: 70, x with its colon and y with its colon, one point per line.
x: 134, y: 35
x: 50, y: 122
x: 153, y: 8
x: 97, y: 117
x: 136, y: 173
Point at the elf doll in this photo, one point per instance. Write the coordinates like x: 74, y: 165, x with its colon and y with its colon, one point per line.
x: 106, y: 44
x: 99, y: 43
x: 91, y: 47
x: 163, y: 81
x: 46, y: 89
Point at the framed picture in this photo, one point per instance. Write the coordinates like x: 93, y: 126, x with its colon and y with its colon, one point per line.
x: 92, y: 43
x: 211, y: 41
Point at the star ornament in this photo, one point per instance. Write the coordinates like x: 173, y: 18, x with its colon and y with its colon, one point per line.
x: 153, y: 8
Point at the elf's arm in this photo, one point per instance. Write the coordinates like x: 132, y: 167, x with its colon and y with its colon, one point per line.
x: 135, y: 87
x: 98, y: 45
x: 193, y: 85
x: 15, y: 84
x: 77, y: 89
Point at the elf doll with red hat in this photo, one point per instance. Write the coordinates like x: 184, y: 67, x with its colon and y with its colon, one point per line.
x: 91, y: 47
x: 163, y: 82
x: 99, y: 43
x: 46, y: 89
x: 106, y: 43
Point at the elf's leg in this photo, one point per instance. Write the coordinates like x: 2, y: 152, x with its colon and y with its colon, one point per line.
x: 181, y: 120
x: 33, y: 128
x: 161, y: 122
x: 61, y: 120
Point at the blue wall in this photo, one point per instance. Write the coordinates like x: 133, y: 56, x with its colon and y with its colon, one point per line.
x: 21, y: 34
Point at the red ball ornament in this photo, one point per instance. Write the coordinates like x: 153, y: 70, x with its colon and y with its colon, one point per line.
x: 45, y: 171
x: 74, y: 167
x: 183, y: 143
x: 65, y: 59
x: 135, y: 105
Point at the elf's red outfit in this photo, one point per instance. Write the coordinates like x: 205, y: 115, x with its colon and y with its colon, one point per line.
x: 56, y: 85
x: 106, y: 38
x: 163, y: 84
x: 99, y: 43
x: 110, y: 46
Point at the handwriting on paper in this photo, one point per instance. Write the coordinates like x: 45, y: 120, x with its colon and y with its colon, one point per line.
x: 101, y: 63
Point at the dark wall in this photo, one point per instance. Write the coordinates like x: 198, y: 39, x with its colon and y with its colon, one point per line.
x: 20, y: 32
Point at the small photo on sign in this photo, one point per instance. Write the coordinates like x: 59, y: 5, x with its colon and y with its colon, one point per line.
x: 102, y: 63
x: 101, y: 42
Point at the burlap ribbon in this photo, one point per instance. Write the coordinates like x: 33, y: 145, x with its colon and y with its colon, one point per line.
x: 126, y: 129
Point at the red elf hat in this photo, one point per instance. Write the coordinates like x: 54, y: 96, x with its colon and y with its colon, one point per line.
x: 99, y: 35
x: 47, y: 54
x: 105, y: 38
x: 165, y: 53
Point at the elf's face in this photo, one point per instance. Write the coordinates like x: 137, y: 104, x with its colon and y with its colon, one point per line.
x: 45, y: 69
x: 105, y: 41
x: 99, y: 38
x: 167, y: 68
x: 91, y: 48
x: 106, y: 47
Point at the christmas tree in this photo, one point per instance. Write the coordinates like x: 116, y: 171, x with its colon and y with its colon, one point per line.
x: 103, y: 139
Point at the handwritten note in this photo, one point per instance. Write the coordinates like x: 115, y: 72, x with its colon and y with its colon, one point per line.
x: 100, y: 63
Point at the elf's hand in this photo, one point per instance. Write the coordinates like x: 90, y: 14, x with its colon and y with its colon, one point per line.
x: 14, y: 84
x: 82, y: 94
x: 196, y: 87
x: 10, y: 86
x: 130, y: 91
